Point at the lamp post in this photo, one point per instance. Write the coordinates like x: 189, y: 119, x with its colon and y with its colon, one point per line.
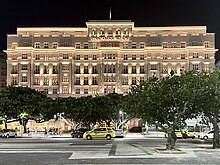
x: 59, y: 115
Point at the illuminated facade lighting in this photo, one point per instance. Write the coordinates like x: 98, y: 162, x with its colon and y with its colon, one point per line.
x: 105, y: 57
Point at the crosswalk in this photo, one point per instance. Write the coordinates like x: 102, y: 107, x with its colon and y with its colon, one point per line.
x: 114, y: 150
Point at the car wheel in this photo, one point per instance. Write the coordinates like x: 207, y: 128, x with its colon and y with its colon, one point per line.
x: 7, y: 136
x: 193, y: 137
x: 78, y: 136
x: 108, y: 137
x: 205, y: 137
x: 88, y: 137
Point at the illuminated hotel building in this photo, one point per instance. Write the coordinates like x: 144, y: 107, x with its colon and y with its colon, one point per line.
x: 104, y: 57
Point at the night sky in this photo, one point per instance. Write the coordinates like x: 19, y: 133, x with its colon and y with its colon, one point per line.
x: 74, y: 13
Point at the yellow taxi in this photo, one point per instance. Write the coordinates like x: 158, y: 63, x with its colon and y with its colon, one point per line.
x: 101, y: 132
x: 178, y: 134
x: 191, y: 134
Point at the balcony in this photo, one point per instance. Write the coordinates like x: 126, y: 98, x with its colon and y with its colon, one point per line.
x: 14, y: 72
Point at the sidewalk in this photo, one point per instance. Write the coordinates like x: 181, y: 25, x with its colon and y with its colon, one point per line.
x: 150, y: 134
x: 41, y: 135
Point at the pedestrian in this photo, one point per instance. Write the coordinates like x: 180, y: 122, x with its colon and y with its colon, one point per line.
x: 28, y: 131
x: 45, y: 132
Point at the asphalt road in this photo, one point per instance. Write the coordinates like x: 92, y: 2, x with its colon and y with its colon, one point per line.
x: 31, y: 151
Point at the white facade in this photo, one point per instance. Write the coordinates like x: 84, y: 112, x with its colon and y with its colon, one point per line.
x: 104, y: 57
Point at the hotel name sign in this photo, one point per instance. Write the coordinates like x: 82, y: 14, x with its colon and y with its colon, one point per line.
x: 110, y: 39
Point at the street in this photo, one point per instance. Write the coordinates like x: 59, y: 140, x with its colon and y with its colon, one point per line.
x: 140, y: 150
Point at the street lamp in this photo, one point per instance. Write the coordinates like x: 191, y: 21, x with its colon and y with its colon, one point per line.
x: 59, y: 115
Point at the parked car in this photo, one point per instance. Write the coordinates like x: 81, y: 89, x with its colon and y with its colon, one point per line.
x: 8, y: 133
x: 119, y: 133
x: 206, y: 135
x: 78, y: 133
x: 191, y: 134
x: 102, y: 132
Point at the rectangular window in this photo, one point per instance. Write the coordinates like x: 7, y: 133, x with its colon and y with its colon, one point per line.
x: 24, y: 79
x: 183, y: 56
x: 77, y: 81
x: 153, y: 67
x: 125, y: 57
x: 142, y: 45
x: 133, y: 45
x: 141, y: 80
x: 77, y: 91
x: 142, y: 69
x: 65, y: 56
x: 37, y: 57
x: 133, y: 70
x: 195, y: 55
x: 125, y: 81
x: 182, y: 44
x: 46, y: 81
x: 165, y: 44
x: 173, y: 57
x: 153, y: 44
x: 94, y: 57
x: 173, y: 45
x: 65, y: 89
x: 54, y: 90
x: 86, y: 70
x: 133, y: 57
x: 94, y: 69
x: 78, y: 57
x: 125, y: 45
x: 195, y: 66
x: 65, y: 67
x: 206, y: 44
x: 54, y: 45
x: 14, y: 69
x: 125, y: 71
x: 133, y: 82
x: 165, y: 69
x: 164, y: 57
x: 86, y: 82
x: 94, y: 81
x: 46, y: 69
x: 65, y: 79
x: 85, y: 45
x: 86, y: 57
x: 24, y: 56
x: 86, y: 91
x: 77, y: 71
x: 142, y: 57
x: 37, y: 45
x: 14, y: 57
x: 77, y: 45
x: 23, y: 67
x: 37, y: 81
x: 54, y: 80
x: 206, y: 56
x: 14, y: 81
x: 55, y: 70
x: 94, y: 45
x: 37, y: 69
x: 46, y: 45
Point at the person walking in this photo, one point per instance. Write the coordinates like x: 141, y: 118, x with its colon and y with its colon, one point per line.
x: 45, y: 132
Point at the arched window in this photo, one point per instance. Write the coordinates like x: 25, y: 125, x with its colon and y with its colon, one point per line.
x: 101, y: 32
x: 118, y: 32
x: 110, y: 32
x: 125, y: 32
x: 93, y: 32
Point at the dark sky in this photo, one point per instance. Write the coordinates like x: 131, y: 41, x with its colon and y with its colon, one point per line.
x: 74, y: 13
